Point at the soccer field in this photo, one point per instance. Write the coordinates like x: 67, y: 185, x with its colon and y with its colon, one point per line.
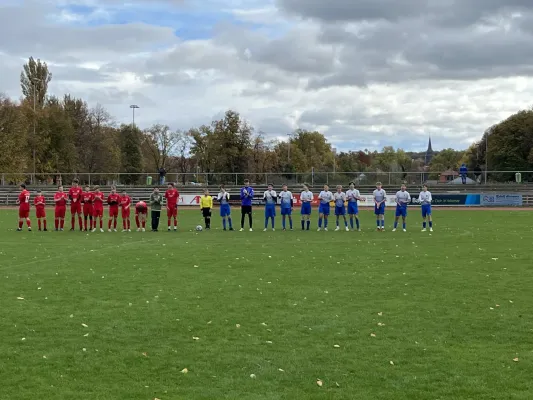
x: 275, y: 315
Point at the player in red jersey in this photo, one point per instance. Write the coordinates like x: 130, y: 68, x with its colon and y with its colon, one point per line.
x: 40, y: 212
x: 172, y: 196
x: 125, y: 202
x: 87, y: 200
x: 60, y: 200
x: 113, y: 200
x: 24, y: 207
x: 141, y: 209
x: 98, y: 208
x: 74, y: 194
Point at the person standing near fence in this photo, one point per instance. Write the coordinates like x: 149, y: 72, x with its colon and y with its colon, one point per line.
x: 155, y: 203
x: 463, y: 171
x: 247, y: 195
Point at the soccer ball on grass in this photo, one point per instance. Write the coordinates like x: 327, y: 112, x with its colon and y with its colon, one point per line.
x: 199, y: 228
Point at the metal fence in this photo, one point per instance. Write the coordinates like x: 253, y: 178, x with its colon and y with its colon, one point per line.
x: 203, y: 179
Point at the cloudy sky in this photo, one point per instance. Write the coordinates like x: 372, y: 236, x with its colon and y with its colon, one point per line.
x: 366, y: 73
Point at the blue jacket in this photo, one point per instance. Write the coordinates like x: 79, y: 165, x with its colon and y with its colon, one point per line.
x: 463, y: 170
x: 246, y: 200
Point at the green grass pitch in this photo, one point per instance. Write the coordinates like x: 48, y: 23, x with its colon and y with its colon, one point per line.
x: 255, y: 315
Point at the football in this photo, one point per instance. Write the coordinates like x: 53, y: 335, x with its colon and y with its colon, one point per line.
x: 199, y: 228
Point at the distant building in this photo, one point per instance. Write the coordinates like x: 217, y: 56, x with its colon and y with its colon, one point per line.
x: 429, y: 153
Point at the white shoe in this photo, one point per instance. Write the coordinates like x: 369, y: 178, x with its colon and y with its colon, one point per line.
x: 347, y: 229
x: 129, y: 230
x: 251, y: 230
x: 394, y: 230
x: 359, y: 230
x: 101, y: 230
x: 431, y: 229
x: 114, y: 230
x: 242, y: 229
x: 382, y: 228
x: 405, y: 230
x: 144, y: 230
x: 326, y: 229
x: 337, y: 229
x: 169, y: 228
x: 175, y: 228
x: 94, y: 230
x: 264, y: 230
x: 124, y: 230
x: 319, y: 229
x: 138, y: 229
x: 273, y: 230
x: 424, y: 230
x: 109, y: 230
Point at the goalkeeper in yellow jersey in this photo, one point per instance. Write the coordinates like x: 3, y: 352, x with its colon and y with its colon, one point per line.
x: 206, y: 204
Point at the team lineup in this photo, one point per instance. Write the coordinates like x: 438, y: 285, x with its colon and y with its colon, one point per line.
x: 87, y: 208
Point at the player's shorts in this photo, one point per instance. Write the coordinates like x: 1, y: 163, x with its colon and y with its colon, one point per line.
x: 75, y: 208
x: 353, y: 208
x: 113, y: 211
x: 324, y: 208
x: 40, y: 212
x: 88, y: 210
x: 98, y: 212
x: 286, y: 211
x: 340, y: 210
x: 206, y: 212
x: 172, y: 211
x: 126, y: 213
x: 426, y: 210
x: 141, y: 210
x: 270, y: 211
x: 24, y: 213
x: 246, y: 209
x: 379, y: 210
x: 306, y: 208
x: 225, y: 210
x: 401, y: 212
x: 60, y: 211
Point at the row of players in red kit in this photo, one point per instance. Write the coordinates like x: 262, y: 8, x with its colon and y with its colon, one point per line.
x: 91, y: 205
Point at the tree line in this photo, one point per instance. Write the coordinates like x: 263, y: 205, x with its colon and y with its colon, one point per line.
x: 47, y: 135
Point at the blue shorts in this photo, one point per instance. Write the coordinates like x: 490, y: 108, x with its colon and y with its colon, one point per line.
x: 426, y: 210
x: 324, y: 208
x: 401, y: 212
x: 270, y: 211
x: 306, y: 209
x: 225, y: 210
x: 353, y: 209
x: 286, y: 211
x: 379, y: 210
x: 340, y: 210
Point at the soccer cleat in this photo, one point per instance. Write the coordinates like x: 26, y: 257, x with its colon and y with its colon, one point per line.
x: 347, y: 229
x: 394, y: 230
x: 19, y: 229
x: 359, y: 230
x: 169, y: 228
x: 138, y: 229
x: 175, y: 228
x: 231, y: 229
x: 61, y: 229
x: 109, y: 230
x: 144, y: 230
x: 94, y: 230
x: 101, y: 230
x: 326, y: 229
x: 251, y: 230
x: 114, y: 230
x: 124, y: 230
x: 378, y: 229
x: 45, y: 230
x: 72, y: 229
x: 129, y: 230
x: 29, y: 229
x: 241, y: 230
x: 264, y: 230
x: 337, y: 229
x: 424, y: 230
x: 405, y: 230
x: 319, y: 229
x: 39, y: 229
x: 273, y: 229
x: 431, y: 229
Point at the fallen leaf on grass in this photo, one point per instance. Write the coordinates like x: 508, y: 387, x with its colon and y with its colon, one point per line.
x: 336, y: 346
x: 281, y: 370
x: 184, y: 370
x: 337, y: 383
x: 380, y: 324
x: 319, y: 382
x: 380, y: 314
x: 391, y: 362
x: 515, y: 359
x: 252, y: 376
x: 269, y: 341
x: 262, y: 323
x: 196, y: 266
x: 86, y: 335
x: 237, y: 325
x: 20, y: 298
x: 373, y: 335
x: 195, y: 338
x: 209, y: 323
x: 23, y: 339
x: 85, y: 325
x: 145, y: 354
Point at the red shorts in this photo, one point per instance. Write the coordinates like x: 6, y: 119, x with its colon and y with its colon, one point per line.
x: 172, y: 211
x: 24, y: 213
x: 88, y: 210
x: 126, y: 213
x: 40, y: 212
x: 75, y: 208
x: 60, y: 211
x: 98, y: 212
x: 143, y: 211
x: 113, y: 211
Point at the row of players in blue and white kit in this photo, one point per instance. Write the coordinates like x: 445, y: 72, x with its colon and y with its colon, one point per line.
x: 340, y: 199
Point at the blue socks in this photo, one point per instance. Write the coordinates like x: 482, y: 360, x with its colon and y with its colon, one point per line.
x: 431, y: 224
x: 308, y: 224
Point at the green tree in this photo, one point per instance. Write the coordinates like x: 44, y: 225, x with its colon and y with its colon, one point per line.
x: 161, y: 144
x: 14, y: 128
x: 447, y: 159
x: 34, y: 80
x: 132, y: 161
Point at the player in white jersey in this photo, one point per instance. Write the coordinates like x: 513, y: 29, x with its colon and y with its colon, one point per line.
x: 270, y: 198
x: 425, y: 202
x: 324, y: 198
x: 353, y: 196
x: 286, y: 203
x: 380, y: 197
x: 306, y: 198
x: 403, y: 198
x: 340, y: 210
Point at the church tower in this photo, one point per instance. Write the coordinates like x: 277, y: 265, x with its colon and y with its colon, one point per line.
x: 429, y: 153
